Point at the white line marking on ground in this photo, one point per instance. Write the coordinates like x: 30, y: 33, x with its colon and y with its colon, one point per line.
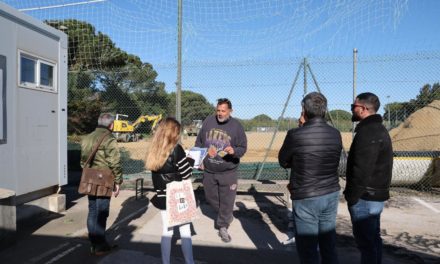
x: 427, y: 205
x: 47, y: 253
x: 62, y: 254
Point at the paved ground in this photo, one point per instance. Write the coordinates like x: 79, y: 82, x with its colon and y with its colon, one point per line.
x: 410, y: 229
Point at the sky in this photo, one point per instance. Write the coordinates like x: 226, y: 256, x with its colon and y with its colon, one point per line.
x: 250, y: 51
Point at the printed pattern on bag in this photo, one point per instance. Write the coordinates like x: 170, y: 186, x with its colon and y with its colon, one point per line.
x: 181, y: 203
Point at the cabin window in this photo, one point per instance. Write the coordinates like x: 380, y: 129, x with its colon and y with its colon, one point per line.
x: 28, y: 68
x: 46, y: 75
x: 37, y: 73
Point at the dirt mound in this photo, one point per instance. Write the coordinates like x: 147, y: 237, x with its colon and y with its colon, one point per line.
x: 420, y: 131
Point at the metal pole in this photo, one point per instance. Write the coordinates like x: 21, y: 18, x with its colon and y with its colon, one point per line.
x: 260, y: 169
x: 305, y: 76
x: 179, y: 63
x: 354, y: 72
x: 355, y: 51
x: 389, y: 113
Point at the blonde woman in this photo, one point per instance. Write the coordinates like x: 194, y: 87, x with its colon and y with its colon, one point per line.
x: 168, y: 162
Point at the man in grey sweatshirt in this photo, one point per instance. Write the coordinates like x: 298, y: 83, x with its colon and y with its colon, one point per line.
x: 226, y: 141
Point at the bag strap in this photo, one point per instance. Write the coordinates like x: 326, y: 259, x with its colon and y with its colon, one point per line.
x: 175, y: 158
x: 95, y: 148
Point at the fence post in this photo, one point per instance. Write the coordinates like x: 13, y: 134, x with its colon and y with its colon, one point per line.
x: 139, y: 189
x: 355, y: 51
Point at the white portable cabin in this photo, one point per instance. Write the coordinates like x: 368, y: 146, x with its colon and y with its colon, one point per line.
x: 33, y: 106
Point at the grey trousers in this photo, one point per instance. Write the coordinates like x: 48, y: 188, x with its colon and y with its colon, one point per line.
x: 220, y: 192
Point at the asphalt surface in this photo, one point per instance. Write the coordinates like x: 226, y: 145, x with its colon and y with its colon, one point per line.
x: 258, y: 231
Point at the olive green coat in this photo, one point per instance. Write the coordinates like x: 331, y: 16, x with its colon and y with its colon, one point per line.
x: 107, y: 156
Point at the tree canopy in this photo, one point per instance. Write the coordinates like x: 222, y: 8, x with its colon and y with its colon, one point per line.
x: 194, y: 106
x: 104, y: 78
x: 340, y: 114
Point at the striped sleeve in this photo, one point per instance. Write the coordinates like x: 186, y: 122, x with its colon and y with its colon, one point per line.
x: 183, y: 166
x: 185, y: 169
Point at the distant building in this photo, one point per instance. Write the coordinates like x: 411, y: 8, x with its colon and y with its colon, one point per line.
x: 264, y: 129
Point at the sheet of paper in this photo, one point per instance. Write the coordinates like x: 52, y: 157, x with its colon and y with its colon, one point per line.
x: 197, y: 154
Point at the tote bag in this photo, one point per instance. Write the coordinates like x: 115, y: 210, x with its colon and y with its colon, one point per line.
x: 181, y: 203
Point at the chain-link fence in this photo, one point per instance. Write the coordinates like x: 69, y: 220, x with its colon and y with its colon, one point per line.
x: 266, y: 110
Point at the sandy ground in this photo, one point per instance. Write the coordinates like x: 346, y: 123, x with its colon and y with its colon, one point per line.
x: 258, y: 143
x: 419, y: 132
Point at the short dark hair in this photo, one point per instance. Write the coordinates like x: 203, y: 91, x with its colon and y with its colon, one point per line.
x: 224, y: 101
x: 106, y: 119
x: 370, y: 100
x: 314, y: 104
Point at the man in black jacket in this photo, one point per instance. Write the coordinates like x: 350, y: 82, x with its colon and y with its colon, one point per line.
x: 313, y: 151
x: 369, y: 170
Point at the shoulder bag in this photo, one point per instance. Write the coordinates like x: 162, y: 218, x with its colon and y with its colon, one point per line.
x: 96, y: 181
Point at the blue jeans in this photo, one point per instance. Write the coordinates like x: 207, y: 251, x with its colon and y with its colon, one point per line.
x: 365, y: 218
x: 97, y: 220
x: 315, y: 223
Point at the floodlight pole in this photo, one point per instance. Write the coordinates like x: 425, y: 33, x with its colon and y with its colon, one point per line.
x: 389, y: 112
x: 305, y: 76
x: 354, y: 73
x: 355, y: 51
x: 179, y: 63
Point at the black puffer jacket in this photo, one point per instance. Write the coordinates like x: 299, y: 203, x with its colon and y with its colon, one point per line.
x: 313, y: 153
x: 370, y: 162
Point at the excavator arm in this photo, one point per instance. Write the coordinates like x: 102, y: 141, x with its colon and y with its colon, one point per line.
x: 156, y: 119
x: 125, y: 130
x: 142, y: 119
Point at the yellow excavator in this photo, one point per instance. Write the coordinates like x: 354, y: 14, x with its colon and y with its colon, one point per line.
x: 124, y: 130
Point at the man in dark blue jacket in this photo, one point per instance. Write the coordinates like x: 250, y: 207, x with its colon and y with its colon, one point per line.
x: 313, y: 151
x: 369, y: 170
